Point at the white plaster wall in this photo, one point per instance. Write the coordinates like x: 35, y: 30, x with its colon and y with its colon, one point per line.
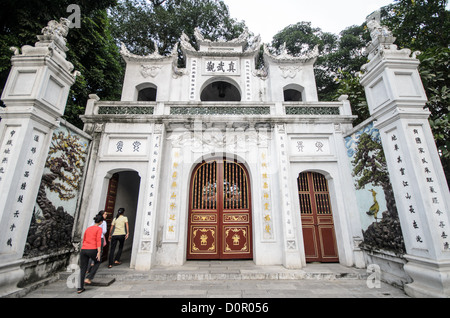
x: 333, y: 165
x: 304, y: 76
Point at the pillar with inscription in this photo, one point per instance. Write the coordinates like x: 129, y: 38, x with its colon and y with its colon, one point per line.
x: 35, y: 96
x: 396, y: 100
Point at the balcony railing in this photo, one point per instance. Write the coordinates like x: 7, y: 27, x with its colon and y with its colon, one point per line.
x: 291, y: 109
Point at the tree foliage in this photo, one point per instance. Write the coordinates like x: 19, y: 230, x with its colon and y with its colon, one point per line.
x: 92, y: 50
x: 422, y: 25
x: 141, y: 24
x: 419, y: 25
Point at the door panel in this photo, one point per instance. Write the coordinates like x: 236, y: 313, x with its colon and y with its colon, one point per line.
x: 317, y: 219
x: 109, y: 209
x: 219, y: 212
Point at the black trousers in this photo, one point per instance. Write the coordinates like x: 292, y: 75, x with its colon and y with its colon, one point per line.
x: 114, y: 240
x: 85, y: 257
x: 93, y: 266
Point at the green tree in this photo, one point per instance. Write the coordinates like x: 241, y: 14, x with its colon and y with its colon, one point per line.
x: 92, y: 49
x: 418, y: 24
x: 141, y: 24
x: 435, y: 76
x: 301, y: 38
x: 422, y: 25
x: 94, y: 53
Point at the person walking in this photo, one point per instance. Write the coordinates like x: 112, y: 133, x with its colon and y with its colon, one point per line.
x: 90, y: 249
x: 93, y: 266
x: 118, y: 233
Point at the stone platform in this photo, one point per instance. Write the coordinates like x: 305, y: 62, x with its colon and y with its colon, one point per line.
x: 226, y: 270
x: 223, y: 279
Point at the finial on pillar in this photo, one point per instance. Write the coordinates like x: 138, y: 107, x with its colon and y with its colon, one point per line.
x: 55, y: 32
x: 52, y: 43
x: 382, y: 37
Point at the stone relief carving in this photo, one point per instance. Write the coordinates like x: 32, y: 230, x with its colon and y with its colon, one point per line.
x: 289, y: 71
x: 150, y: 70
x: 214, y: 139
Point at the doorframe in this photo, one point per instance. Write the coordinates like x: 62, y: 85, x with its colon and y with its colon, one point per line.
x: 318, y: 240
x: 222, y: 156
x: 340, y: 219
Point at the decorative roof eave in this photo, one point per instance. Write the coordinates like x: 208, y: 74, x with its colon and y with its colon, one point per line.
x: 241, y: 41
x: 154, y: 57
x: 285, y: 57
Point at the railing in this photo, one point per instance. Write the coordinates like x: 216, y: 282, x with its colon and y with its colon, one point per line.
x: 121, y: 108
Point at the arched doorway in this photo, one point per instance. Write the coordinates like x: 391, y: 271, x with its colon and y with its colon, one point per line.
x: 122, y: 192
x: 317, y: 218
x: 146, y: 92
x: 220, y: 220
x: 220, y: 91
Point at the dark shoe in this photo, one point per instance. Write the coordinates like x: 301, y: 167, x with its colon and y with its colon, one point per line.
x: 80, y: 290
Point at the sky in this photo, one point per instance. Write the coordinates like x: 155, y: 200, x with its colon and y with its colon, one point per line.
x: 268, y: 17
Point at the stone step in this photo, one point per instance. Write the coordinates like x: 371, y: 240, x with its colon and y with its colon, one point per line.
x: 213, y: 271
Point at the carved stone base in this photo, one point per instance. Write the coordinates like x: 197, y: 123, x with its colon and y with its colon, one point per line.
x: 431, y: 279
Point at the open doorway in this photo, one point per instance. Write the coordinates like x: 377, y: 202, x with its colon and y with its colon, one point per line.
x: 123, y: 192
x: 220, y: 91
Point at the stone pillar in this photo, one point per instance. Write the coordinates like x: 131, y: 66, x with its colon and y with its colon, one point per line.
x: 147, y: 239
x: 291, y: 253
x: 396, y: 100
x: 35, y: 96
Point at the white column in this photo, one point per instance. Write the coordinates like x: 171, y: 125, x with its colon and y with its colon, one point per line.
x: 396, y: 99
x: 147, y: 240
x: 291, y: 254
x: 35, y: 96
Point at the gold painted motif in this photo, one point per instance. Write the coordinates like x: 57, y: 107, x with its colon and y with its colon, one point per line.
x: 203, y: 240
x: 203, y: 218
x: 236, y: 240
x: 235, y: 218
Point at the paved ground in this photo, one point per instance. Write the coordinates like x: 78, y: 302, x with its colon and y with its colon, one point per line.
x: 226, y: 280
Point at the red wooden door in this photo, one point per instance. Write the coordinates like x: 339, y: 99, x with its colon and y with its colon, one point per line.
x: 109, y: 209
x: 317, y: 219
x: 219, y: 225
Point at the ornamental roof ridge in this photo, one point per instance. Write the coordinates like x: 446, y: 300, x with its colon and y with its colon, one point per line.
x: 155, y: 56
x: 286, y: 57
x: 219, y: 47
x: 239, y: 41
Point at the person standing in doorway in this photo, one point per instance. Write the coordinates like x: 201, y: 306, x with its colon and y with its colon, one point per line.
x: 91, y: 249
x: 118, y: 233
